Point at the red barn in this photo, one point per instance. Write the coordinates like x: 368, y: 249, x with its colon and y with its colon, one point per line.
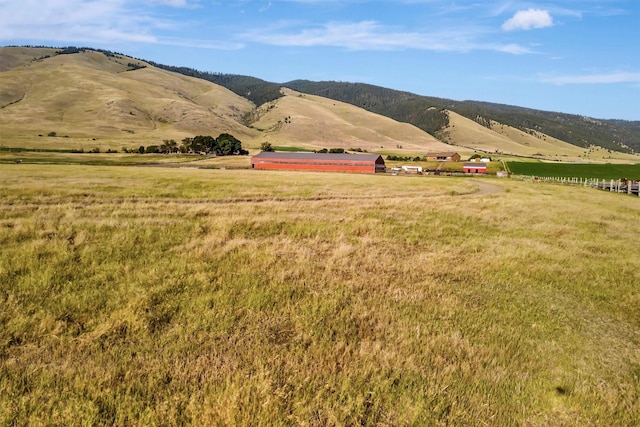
x: 474, y: 167
x: 323, y: 162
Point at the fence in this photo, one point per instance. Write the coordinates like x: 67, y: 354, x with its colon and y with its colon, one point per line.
x: 617, y: 186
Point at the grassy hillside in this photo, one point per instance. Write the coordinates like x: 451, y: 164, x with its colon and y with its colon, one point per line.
x: 145, y: 296
x: 91, y: 99
x: 498, y: 138
x: 427, y: 114
x: 96, y: 99
x: 100, y: 99
x: 616, y: 135
x: 402, y: 106
x: 256, y: 90
x: 16, y: 57
x: 311, y: 121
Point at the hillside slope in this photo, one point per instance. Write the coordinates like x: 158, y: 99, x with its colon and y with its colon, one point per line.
x: 93, y: 95
x: 494, y: 137
x: 102, y: 99
x: 427, y: 113
x: 505, y: 139
x: 310, y: 121
x: 97, y: 98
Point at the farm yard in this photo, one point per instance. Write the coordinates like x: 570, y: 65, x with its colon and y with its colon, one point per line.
x: 174, y: 296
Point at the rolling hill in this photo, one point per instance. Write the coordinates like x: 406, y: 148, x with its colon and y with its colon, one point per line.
x: 99, y: 98
x: 112, y: 98
x: 428, y: 113
x: 313, y: 121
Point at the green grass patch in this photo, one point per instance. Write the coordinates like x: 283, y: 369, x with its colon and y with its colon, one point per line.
x: 576, y: 170
x: 290, y: 149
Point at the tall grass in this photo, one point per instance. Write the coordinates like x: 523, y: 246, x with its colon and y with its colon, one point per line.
x: 175, y: 296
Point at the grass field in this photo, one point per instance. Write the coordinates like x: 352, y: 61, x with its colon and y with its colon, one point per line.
x: 168, y: 296
x: 576, y: 170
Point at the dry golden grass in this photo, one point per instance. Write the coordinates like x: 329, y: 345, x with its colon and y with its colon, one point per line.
x: 92, y: 101
x: 17, y: 57
x: 144, y: 296
x: 511, y: 141
x: 89, y: 95
x: 505, y: 139
x: 311, y: 121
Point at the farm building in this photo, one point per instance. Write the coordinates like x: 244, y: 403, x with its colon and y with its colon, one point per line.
x: 474, y: 167
x: 412, y: 169
x: 446, y: 156
x: 323, y: 162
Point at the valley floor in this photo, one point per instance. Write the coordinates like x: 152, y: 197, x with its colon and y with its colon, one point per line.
x: 180, y: 296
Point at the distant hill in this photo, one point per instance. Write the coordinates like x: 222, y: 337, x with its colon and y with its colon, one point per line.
x: 80, y: 98
x: 314, y: 121
x: 90, y: 93
x: 87, y: 95
x: 429, y: 113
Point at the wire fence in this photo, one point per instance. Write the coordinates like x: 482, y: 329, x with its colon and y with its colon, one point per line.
x: 624, y: 185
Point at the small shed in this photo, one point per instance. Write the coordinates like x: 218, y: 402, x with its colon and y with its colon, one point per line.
x: 319, y: 162
x: 448, y: 156
x: 472, y: 167
x: 412, y: 169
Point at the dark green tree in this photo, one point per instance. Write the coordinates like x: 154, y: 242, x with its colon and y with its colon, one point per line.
x: 228, y: 144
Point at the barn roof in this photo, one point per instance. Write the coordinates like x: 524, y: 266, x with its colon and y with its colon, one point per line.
x: 475, y: 165
x: 443, y: 153
x: 317, y: 156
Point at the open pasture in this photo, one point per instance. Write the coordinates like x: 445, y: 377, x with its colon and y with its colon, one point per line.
x: 167, y: 296
x: 576, y: 170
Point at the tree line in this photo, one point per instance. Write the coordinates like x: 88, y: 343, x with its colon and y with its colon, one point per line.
x: 224, y: 145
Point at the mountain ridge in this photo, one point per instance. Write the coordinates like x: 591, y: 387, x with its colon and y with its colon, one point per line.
x: 427, y: 112
x: 168, y: 106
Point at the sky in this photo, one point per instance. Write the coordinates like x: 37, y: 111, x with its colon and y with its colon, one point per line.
x: 570, y: 56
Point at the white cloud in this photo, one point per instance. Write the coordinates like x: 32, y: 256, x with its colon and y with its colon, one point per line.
x: 608, y: 78
x: 175, y: 3
x: 371, y: 35
x: 514, y: 49
x: 86, y: 21
x: 528, y: 19
x: 69, y: 20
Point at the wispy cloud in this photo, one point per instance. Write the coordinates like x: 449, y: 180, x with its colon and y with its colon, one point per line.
x: 176, y: 3
x: 515, y: 49
x: 606, y: 78
x: 371, y: 35
x: 97, y: 21
x: 528, y: 19
x: 74, y: 20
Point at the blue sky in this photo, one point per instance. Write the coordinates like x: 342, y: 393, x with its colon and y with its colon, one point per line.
x: 571, y: 56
